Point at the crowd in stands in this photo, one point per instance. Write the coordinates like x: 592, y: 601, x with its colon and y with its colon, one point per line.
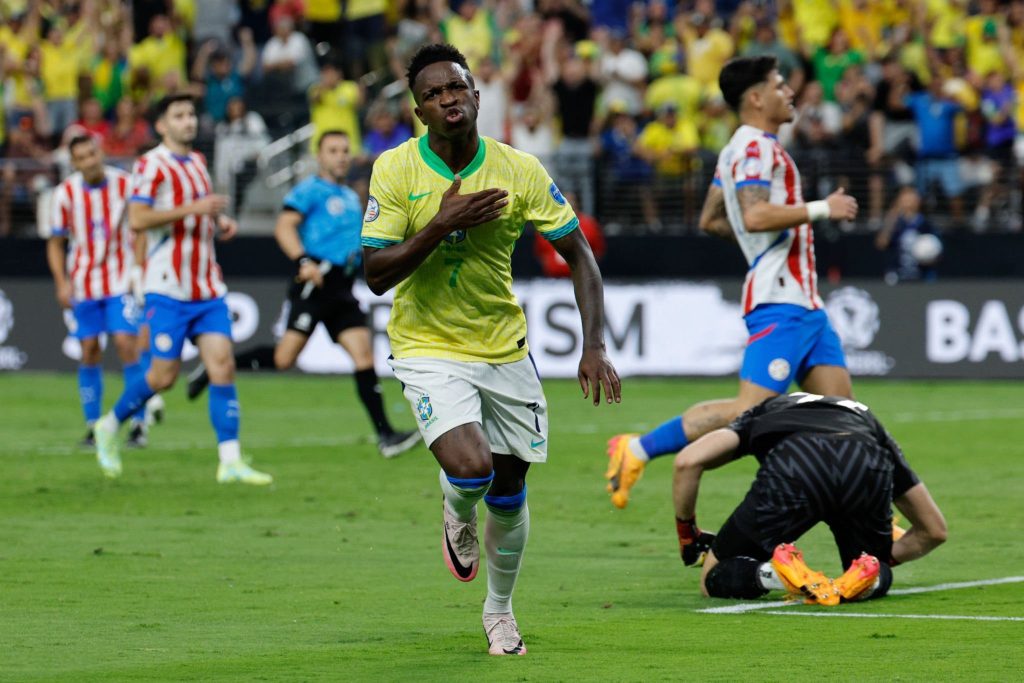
x: 618, y: 98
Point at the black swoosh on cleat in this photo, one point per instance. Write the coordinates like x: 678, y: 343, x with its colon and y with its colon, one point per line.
x: 514, y: 651
x: 462, y: 571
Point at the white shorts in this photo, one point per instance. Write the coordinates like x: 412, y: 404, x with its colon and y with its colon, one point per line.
x: 506, y: 399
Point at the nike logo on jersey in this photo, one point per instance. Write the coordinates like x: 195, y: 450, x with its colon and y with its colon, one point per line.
x: 414, y: 197
x: 534, y: 444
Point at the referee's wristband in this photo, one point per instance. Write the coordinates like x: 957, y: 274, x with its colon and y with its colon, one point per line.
x: 818, y: 210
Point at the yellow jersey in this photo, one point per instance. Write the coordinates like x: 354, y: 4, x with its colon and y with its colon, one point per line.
x: 336, y: 109
x: 458, y: 304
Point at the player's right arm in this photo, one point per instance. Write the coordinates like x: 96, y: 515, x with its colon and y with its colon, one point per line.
x: 713, y: 218
x: 56, y: 246
x: 761, y: 215
x: 928, y: 527
x: 386, y: 266
x: 147, y: 178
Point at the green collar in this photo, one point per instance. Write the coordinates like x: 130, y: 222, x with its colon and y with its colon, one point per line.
x: 435, y: 162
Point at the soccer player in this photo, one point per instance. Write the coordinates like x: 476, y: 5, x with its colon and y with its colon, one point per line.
x: 93, y: 280
x: 443, y: 217
x: 822, y: 459
x: 319, y: 230
x: 172, y: 203
x: 756, y: 200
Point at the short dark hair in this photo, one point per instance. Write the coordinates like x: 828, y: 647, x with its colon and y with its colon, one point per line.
x: 432, y: 54
x: 742, y: 73
x: 165, y: 102
x: 80, y: 140
x: 327, y: 134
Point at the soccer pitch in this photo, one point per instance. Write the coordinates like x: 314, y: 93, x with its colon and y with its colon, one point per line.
x: 334, y: 573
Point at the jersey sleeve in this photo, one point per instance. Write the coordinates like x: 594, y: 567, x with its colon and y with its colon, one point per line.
x: 546, y: 208
x: 297, y: 199
x: 756, y: 165
x: 147, y: 177
x: 386, y: 218
x: 60, y: 212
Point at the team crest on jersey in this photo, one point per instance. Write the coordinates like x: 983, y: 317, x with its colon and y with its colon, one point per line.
x: 163, y: 342
x: 752, y: 167
x: 372, y: 210
x: 336, y: 206
x: 778, y: 369
x: 556, y: 194
x: 455, y: 236
x: 423, y: 408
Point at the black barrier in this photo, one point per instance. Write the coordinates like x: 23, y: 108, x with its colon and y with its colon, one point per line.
x: 958, y: 330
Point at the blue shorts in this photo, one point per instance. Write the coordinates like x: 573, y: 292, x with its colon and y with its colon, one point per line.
x: 113, y: 315
x: 171, y: 321
x: 785, y: 342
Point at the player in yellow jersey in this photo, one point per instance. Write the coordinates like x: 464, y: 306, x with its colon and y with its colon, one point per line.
x: 443, y: 239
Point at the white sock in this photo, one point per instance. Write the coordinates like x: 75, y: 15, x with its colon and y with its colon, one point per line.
x: 637, y: 449
x: 229, y: 452
x: 768, y: 579
x: 462, y: 502
x: 868, y: 592
x: 505, y: 540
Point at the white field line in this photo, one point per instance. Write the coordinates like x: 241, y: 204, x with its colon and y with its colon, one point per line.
x: 862, y: 615
x: 772, y: 605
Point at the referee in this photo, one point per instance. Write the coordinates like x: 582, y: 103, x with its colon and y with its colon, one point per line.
x: 319, y: 229
x: 822, y: 459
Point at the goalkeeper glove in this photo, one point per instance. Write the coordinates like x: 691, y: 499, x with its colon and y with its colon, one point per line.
x: 693, y: 543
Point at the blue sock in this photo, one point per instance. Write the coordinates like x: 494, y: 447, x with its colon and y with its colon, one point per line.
x: 668, y: 437
x: 132, y: 374
x: 224, y: 411
x: 90, y: 391
x: 134, y: 397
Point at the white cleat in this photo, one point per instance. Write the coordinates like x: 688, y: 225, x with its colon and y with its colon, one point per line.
x: 240, y: 473
x: 503, y: 637
x: 108, y: 450
x: 460, y: 545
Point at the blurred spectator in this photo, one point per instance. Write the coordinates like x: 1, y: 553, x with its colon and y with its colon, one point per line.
x: 863, y: 21
x: 814, y: 21
x: 158, y: 62
x: 27, y: 166
x: 213, y: 21
x: 323, y: 21
x: 532, y: 133
x: 818, y: 124
x: 893, y: 130
x: 935, y: 114
x: 831, y: 62
x: 255, y: 16
x: 716, y: 124
x: 903, y: 226
x: 551, y: 262
x: 573, y: 81
x: 854, y: 95
x: 58, y: 69
x: 334, y: 104
x: 572, y: 16
x: 364, y: 32
x: 240, y: 137
x: 222, y: 80
x: 491, y: 119
x: 21, y: 64
x: 987, y: 42
x: 998, y: 103
x: 624, y: 74
x: 766, y: 42
x: 669, y: 143
x: 288, y: 59
x: 384, y: 131
x: 109, y: 72
x: 708, y: 47
x: 674, y: 86
x: 92, y: 120
x: 129, y: 135
x: 627, y: 176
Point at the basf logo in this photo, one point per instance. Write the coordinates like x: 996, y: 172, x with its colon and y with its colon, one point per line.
x: 11, y: 357
x: 855, y: 317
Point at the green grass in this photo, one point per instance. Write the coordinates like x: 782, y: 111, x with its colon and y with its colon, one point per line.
x: 335, y: 572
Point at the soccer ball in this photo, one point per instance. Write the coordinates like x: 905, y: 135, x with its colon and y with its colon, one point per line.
x: 926, y: 249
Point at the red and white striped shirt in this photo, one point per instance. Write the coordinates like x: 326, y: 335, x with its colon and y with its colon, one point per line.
x: 782, y: 266
x: 181, y: 262
x: 93, y: 218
